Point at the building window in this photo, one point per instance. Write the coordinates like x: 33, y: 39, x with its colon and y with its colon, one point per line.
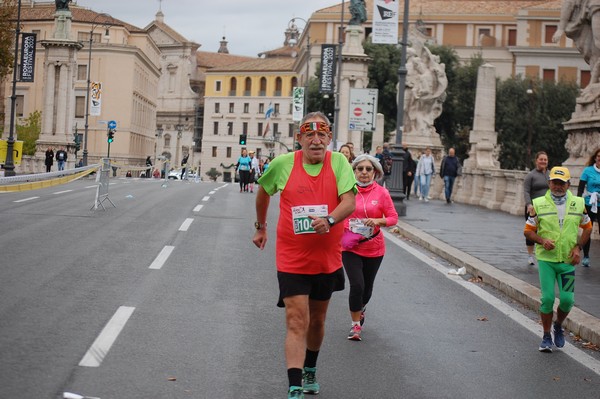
x: 259, y: 129
x: 291, y: 130
x: 81, y: 72
x: 584, y: 79
x: 248, y: 87
x: 214, y: 152
x: 278, y: 86
x: 218, y: 85
x: 232, y: 86
x: 294, y: 82
x: 215, y: 128
x: 217, y: 108
x: 512, y: 37
x: 231, y: 108
x: 263, y: 87
x: 246, y: 108
x: 276, y: 109
x: 20, y: 100
x: 85, y: 37
x: 245, y: 128
x: 228, y: 150
x: 230, y: 128
x: 167, y: 143
x: 549, y: 31
x: 79, y: 106
x: 275, y: 129
x: 549, y: 75
x: 261, y: 108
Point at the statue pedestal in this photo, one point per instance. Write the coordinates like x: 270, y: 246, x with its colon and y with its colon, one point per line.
x: 62, y: 25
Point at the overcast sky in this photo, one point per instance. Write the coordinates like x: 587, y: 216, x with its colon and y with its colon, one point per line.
x: 250, y: 26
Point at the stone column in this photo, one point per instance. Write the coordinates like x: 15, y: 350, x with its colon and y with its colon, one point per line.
x: 61, y: 103
x: 48, y: 110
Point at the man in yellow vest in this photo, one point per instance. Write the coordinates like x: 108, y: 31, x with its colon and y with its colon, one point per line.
x: 554, y: 225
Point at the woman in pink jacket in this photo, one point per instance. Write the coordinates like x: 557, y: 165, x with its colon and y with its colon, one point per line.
x: 363, y: 244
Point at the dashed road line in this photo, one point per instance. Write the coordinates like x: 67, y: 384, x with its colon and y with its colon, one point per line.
x: 26, y: 199
x: 186, y: 224
x: 162, y: 257
x: 62, y: 192
x: 99, y: 349
x: 205, y: 198
x: 197, y: 208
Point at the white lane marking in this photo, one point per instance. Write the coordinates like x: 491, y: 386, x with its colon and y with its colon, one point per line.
x: 99, y: 349
x: 206, y: 198
x: 62, y: 192
x: 186, y: 224
x: 162, y: 257
x: 569, y: 349
x: 213, y: 191
x: 26, y: 199
x: 94, y: 186
x: 197, y: 208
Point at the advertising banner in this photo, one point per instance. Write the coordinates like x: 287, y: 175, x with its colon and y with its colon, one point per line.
x: 27, y: 57
x: 326, y: 80
x: 385, y: 22
x: 298, y: 104
x: 95, y: 98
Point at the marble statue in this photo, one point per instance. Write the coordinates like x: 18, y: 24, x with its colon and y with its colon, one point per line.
x: 425, y: 92
x: 358, y: 11
x: 580, y: 21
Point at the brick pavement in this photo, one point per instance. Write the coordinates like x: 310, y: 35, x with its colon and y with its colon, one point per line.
x: 490, y: 244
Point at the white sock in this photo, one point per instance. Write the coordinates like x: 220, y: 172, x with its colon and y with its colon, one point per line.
x: 355, y: 323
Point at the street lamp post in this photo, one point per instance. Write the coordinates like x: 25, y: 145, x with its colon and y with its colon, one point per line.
x: 87, y: 97
x: 9, y: 167
x: 292, y: 26
x: 337, y: 93
x: 396, y: 188
x: 530, y: 93
x: 158, y: 135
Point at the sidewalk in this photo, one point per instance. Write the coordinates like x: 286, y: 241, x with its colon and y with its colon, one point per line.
x: 491, y: 245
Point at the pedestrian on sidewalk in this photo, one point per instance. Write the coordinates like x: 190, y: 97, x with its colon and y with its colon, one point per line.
x: 363, y: 247
x: 554, y: 225
x: 243, y: 168
x: 408, y: 171
x: 535, y: 185
x: 590, y: 179
x: 386, y: 165
x: 449, y: 170
x: 425, y: 169
x: 254, y: 170
x: 149, y: 165
x: 317, y: 189
x: 61, y: 158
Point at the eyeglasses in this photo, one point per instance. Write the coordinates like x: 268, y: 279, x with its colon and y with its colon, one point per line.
x: 367, y: 168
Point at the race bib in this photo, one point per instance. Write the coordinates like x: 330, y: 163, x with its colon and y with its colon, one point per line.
x: 302, y: 221
x: 357, y: 226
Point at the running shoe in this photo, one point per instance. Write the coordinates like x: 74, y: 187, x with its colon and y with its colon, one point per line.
x: 585, y: 262
x: 559, y: 336
x: 362, y: 316
x: 531, y: 260
x: 546, y: 344
x: 309, y: 381
x: 355, y: 332
x: 295, y: 393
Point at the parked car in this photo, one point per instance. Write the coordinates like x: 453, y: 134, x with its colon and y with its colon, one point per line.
x: 175, y: 174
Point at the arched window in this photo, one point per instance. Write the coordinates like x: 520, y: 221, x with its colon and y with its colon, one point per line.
x: 248, y: 87
x: 278, y: 85
x: 167, y: 141
x: 232, y: 86
x: 294, y: 84
x: 263, y: 87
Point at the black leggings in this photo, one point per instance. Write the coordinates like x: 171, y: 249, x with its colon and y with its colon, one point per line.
x: 361, y: 273
x: 244, y: 179
x: 594, y: 218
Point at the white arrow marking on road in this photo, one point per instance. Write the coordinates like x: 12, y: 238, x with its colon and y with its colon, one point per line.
x: 26, y: 199
x: 186, y: 224
x: 206, y: 198
x: 162, y: 257
x: 99, y: 349
x: 62, y: 192
x: 197, y: 208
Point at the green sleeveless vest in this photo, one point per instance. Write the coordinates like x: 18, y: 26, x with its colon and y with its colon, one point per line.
x: 548, y: 226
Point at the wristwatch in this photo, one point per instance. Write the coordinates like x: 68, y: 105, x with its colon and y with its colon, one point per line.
x: 259, y: 225
x: 330, y: 220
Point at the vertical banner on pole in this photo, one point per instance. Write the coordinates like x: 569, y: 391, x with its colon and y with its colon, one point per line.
x: 326, y: 84
x: 298, y: 101
x: 95, y: 98
x: 385, y: 22
x: 27, y: 57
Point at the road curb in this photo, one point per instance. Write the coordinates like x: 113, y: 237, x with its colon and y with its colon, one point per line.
x: 579, y: 322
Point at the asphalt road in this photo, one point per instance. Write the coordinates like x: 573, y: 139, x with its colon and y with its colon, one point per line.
x: 165, y: 296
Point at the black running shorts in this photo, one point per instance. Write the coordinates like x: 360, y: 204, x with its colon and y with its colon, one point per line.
x: 317, y: 286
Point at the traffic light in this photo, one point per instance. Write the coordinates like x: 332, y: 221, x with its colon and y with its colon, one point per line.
x: 77, y: 143
x: 243, y: 138
x: 111, y: 135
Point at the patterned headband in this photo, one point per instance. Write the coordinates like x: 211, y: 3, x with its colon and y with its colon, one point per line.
x: 315, y: 127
